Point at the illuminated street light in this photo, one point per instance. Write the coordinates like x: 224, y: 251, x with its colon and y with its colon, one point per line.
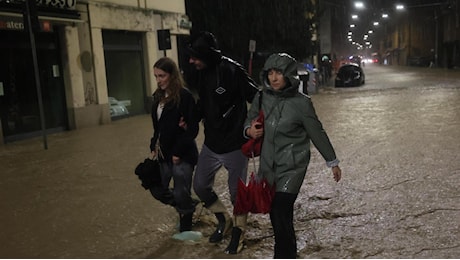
x: 359, y: 5
x: 384, y: 16
x: 376, y: 23
x: 399, y: 7
x: 354, y: 16
x: 352, y: 26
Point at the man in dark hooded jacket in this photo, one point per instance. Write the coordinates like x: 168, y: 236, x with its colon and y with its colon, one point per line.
x: 223, y: 88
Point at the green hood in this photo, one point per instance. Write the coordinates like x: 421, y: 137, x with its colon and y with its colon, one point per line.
x: 284, y: 63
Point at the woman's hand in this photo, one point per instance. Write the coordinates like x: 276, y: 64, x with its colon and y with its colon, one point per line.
x: 182, y: 123
x: 175, y: 160
x: 256, y: 130
x: 153, y: 154
x: 337, y: 172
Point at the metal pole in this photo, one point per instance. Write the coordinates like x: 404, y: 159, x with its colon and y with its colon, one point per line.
x: 436, y: 21
x: 250, y: 64
x: 37, y: 76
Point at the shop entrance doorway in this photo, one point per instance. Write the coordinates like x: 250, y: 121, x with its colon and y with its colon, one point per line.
x: 125, y: 72
x: 19, y: 111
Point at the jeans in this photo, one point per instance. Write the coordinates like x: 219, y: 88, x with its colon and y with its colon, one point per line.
x: 209, y: 163
x: 181, y: 174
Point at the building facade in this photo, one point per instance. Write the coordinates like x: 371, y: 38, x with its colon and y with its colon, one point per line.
x: 425, y: 34
x: 90, y: 54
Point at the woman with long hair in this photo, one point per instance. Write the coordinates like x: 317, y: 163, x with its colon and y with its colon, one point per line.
x: 173, y: 143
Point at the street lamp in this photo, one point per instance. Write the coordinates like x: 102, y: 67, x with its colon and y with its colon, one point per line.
x: 359, y: 5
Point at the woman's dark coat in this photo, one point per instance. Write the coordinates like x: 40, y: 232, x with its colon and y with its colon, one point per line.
x: 173, y: 139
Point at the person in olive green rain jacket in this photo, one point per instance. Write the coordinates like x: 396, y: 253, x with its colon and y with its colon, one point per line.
x: 290, y: 123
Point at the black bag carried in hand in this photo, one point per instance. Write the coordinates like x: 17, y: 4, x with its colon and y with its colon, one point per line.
x: 149, y: 173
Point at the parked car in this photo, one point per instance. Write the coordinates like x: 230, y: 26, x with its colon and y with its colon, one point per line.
x: 349, y: 75
x: 117, y: 108
x: 355, y: 59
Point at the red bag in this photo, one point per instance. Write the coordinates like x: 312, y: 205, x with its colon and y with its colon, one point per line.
x: 253, y: 146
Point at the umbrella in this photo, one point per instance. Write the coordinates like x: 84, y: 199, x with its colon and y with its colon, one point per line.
x: 255, y: 197
x: 262, y: 194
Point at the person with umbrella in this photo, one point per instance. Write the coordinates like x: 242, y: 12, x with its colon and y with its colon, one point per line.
x: 290, y: 124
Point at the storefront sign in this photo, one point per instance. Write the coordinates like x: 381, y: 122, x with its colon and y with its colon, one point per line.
x: 17, y: 24
x: 63, y: 4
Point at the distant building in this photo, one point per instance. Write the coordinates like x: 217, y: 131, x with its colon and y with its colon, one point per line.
x: 424, y: 34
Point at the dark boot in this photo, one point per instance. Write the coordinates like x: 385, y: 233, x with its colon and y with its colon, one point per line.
x: 224, y: 221
x: 185, y: 222
x: 237, y: 241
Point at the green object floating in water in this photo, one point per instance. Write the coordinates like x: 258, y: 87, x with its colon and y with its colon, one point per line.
x: 188, y: 236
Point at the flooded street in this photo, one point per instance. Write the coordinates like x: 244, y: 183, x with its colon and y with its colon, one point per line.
x: 397, y: 137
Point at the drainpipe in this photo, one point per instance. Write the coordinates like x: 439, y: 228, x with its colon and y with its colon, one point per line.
x: 436, y: 20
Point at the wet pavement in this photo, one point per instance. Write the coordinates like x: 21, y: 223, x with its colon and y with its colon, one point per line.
x: 397, y: 137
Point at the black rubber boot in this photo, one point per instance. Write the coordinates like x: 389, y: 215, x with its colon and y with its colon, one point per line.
x: 185, y: 222
x: 224, y: 220
x: 236, y: 243
x: 223, y: 227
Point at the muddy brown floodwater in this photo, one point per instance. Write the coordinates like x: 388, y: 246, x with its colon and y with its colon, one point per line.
x: 397, y: 137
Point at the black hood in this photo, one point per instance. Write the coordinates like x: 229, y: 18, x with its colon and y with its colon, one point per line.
x: 203, y: 46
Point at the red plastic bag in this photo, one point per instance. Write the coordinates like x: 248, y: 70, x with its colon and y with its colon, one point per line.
x: 256, y: 197
x: 253, y: 146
